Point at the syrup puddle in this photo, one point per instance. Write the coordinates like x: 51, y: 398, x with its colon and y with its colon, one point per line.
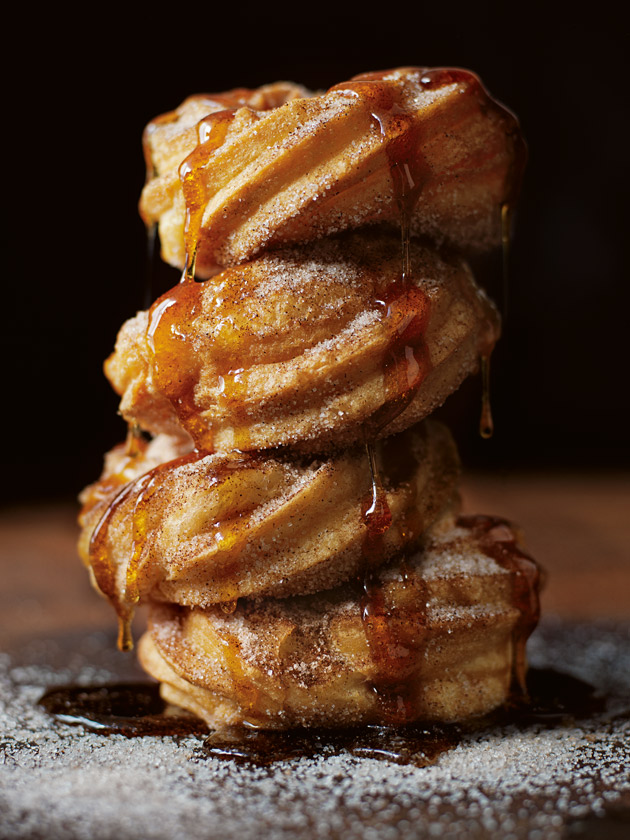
x: 136, y: 709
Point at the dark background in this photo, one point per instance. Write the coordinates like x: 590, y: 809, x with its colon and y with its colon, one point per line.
x: 76, y: 245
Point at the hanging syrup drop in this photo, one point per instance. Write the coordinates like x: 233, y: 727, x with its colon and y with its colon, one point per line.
x: 104, y: 568
x: 212, y: 131
x: 506, y: 224
x: 486, y: 424
x: 375, y: 509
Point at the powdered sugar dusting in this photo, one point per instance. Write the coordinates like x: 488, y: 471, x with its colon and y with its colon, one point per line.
x: 63, y: 782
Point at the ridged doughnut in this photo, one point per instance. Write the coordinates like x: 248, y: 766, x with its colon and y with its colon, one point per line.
x: 313, y: 347
x: 437, y: 635
x: 201, y: 530
x: 321, y: 164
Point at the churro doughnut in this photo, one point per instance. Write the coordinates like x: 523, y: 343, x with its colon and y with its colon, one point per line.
x: 171, y: 137
x: 432, y: 139
x: 438, y: 635
x: 312, y: 347
x: 200, y: 530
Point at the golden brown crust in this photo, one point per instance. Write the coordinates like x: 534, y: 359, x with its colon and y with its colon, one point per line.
x: 313, y: 660
x: 206, y: 529
x: 303, y: 347
x: 321, y: 164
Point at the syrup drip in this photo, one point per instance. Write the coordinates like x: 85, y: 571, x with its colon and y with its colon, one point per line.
x: 151, y: 264
x: 175, y: 364
x: 136, y: 709
x: 497, y: 540
x: 405, y: 366
x: 135, y: 442
x: 406, y: 307
x: 376, y: 514
x: 391, y: 651
x: 134, y: 447
x: 176, y: 360
x: 141, y: 494
x: 212, y: 131
x: 489, y: 329
x: 393, y: 656
x: 408, y: 173
x: 407, y: 362
x: 104, y: 569
x: 486, y: 424
x: 506, y: 236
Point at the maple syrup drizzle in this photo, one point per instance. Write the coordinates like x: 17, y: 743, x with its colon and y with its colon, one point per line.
x: 135, y: 442
x: 174, y: 362
x: 101, y: 563
x: 375, y: 512
x: 393, y: 656
x: 212, y: 131
x: 431, y: 79
x: 230, y: 536
x: 498, y: 541
x: 486, y: 424
x: 405, y: 366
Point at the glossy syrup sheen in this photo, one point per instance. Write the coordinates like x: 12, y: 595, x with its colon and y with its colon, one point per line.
x: 136, y: 710
x: 394, y: 656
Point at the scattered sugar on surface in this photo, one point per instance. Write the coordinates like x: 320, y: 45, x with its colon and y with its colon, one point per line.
x: 60, y: 781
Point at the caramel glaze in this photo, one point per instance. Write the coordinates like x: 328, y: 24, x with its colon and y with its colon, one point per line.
x: 406, y: 363
x: 211, y: 132
x: 175, y: 362
x: 392, y: 659
x: 175, y: 365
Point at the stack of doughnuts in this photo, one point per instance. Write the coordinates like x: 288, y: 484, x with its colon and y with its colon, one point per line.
x: 284, y: 502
